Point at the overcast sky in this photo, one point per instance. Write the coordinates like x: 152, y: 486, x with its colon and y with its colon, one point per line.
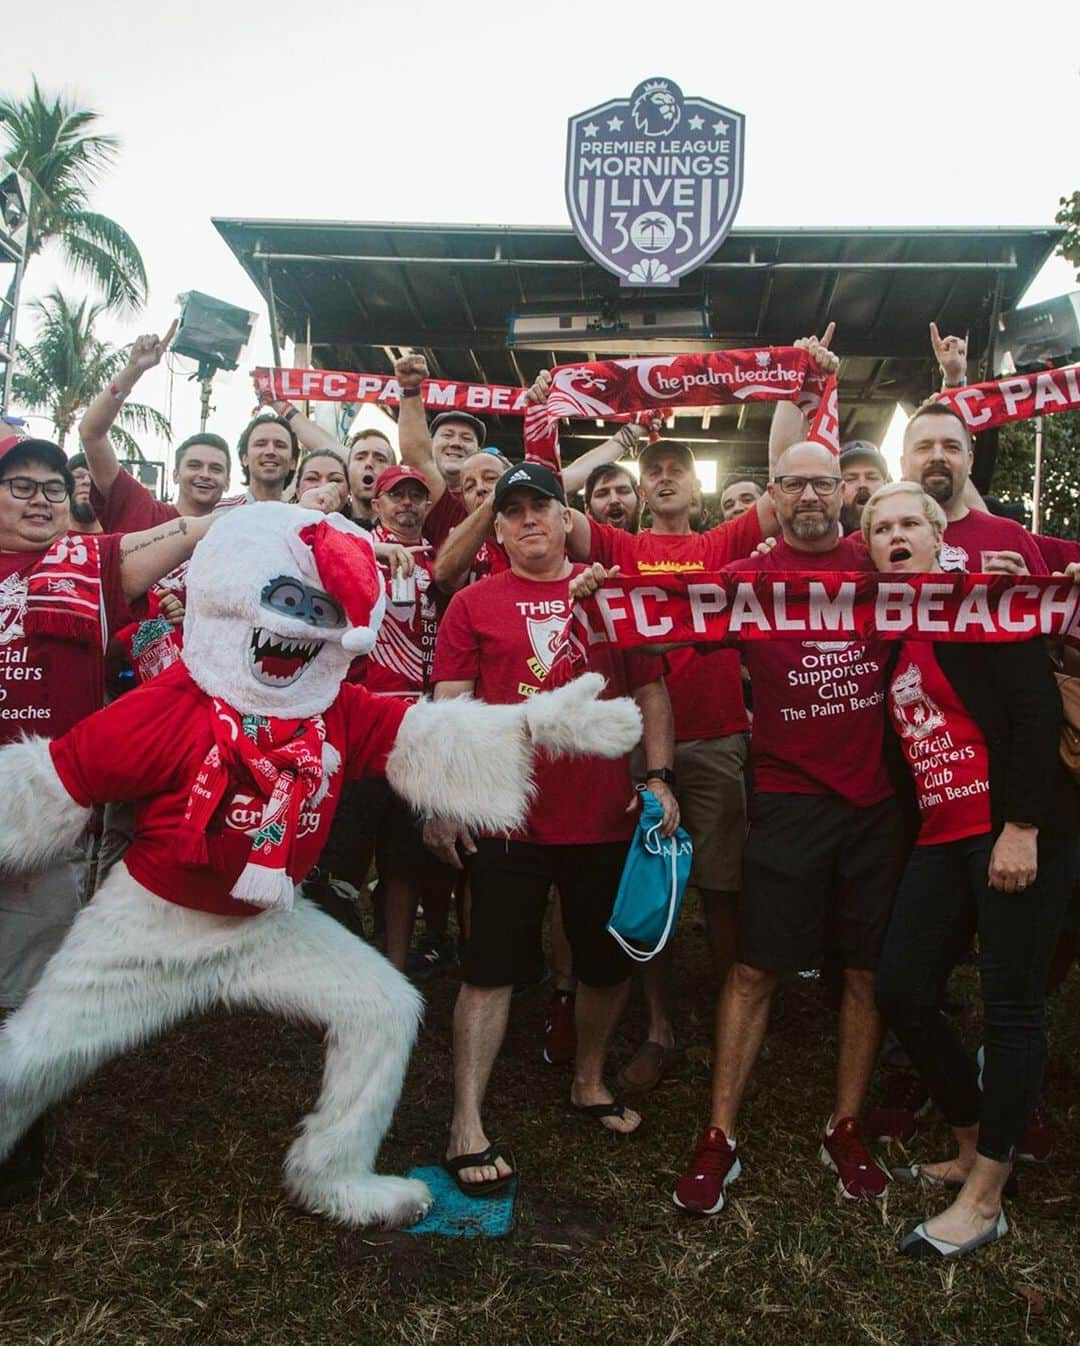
x: 856, y: 115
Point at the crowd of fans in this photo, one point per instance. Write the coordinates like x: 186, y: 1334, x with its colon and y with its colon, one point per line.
x: 865, y: 810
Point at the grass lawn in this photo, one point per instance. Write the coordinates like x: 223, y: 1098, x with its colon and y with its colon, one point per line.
x: 160, y: 1218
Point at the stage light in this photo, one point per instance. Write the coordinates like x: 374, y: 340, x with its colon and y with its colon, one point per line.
x: 211, y: 331
x: 1040, y: 335
x: 14, y: 211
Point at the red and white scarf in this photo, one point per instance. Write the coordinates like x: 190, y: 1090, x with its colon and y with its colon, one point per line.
x: 1018, y: 398
x: 615, y: 390
x: 63, y: 593
x: 284, y: 760
x: 631, y: 611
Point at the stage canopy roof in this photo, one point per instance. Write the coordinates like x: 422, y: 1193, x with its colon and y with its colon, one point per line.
x: 495, y: 304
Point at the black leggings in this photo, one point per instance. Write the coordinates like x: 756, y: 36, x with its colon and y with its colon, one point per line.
x: 941, y: 888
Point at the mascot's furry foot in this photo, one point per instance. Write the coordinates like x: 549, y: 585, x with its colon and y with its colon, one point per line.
x: 391, y: 1203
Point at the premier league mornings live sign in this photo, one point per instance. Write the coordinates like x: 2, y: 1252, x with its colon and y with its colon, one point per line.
x: 653, y: 181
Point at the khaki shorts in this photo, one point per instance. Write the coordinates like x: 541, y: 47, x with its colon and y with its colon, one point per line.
x: 711, y: 792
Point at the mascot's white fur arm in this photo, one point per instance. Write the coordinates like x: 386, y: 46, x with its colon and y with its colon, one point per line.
x: 471, y: 763
x: 39, y: 820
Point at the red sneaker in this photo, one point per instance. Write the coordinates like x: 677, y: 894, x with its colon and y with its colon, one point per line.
x: 904, y: 1099
x: 714, y: 1165
x: 560, y: 1031
x: 843, y: 1151
x: 1038, y: 1143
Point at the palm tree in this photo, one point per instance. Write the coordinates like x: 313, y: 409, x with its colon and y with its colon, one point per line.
x: 52, y: 145
x: 66, y: 367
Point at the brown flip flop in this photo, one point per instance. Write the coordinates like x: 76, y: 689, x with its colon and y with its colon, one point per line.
x: 646, y: 1068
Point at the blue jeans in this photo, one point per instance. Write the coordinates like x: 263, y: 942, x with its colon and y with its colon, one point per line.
x: 943, y: 893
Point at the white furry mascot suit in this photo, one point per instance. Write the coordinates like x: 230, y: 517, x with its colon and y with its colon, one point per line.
x: 202, y: 911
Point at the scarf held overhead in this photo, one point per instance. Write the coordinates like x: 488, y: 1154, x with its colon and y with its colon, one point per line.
x: 614, y: 390
x: 827, y: 611
x: 1018, y: 398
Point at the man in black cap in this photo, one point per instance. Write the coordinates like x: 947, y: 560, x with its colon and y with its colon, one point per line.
x: 497, y: 641
x: 863, y: 469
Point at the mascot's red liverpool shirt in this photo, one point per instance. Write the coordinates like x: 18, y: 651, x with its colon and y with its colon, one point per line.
x: 47, y: 683
x: 149, y: 745
x: 705, y: 688
x: 501, y: 634
x: 818, y: 715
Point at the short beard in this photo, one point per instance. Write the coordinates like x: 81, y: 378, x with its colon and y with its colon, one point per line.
x: 82, y: 511
x: 851, y: 517
x: 811, y: 527
x: 938, y: 489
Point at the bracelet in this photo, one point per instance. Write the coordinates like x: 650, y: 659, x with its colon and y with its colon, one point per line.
x: 411, y: 392
x: 114, y: 391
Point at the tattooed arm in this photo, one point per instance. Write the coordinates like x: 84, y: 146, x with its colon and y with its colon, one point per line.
x: 146, y: 556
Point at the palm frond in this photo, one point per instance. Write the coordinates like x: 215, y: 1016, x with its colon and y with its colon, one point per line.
x: 147, y: 419
x: 101, y: 249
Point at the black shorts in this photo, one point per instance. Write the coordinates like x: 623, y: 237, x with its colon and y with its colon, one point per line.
x: 819, y: 875
x: 373, y: 822
x: 509, y: 881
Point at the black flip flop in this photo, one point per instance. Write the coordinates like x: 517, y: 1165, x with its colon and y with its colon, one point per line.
x: 598, y: 1111
x: 482, y: 1160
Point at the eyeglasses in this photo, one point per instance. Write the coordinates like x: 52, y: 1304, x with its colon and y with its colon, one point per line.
x: 819, y: 485
x: 25, y: 488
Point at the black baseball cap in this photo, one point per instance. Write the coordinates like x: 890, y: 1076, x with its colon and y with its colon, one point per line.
x: 666, y: 448
x: 445, y: 417
x: 862, y: 451
x: 533, y: 477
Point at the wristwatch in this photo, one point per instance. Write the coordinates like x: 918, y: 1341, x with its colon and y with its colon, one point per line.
x: 660, y: 773
x: 289, y: 413
x: 411, y: 392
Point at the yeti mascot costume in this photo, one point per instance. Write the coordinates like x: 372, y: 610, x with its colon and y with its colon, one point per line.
x: 236, y: 758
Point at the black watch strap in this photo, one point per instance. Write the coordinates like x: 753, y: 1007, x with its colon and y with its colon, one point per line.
x: 660, y: 773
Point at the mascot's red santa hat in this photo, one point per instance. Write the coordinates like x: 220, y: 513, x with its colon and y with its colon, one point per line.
x: 236, y: 757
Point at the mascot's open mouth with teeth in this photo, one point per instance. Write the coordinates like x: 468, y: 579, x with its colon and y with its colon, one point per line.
x: 277, y: 659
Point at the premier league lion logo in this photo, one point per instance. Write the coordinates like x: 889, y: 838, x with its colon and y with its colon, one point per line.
x: 656, y: 110
x: 653, y: 182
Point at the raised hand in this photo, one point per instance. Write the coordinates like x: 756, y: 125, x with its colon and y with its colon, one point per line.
x: 148, y: 349
x: 411, y: 370
x: 538, y: 393
x: 951, y: 354
x: 590, y: 579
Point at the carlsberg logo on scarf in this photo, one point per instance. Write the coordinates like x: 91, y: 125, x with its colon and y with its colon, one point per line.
x: 284, y: 760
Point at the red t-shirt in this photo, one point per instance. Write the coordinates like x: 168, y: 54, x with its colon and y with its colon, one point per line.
x: 501, y: 634
x: 943, y: 746
x: 818, y: 727
x: 1057, y: 552
x: 705, y: 688
x: 446, y: 513
x: 47, y: 683
x: 491, y: 559
x: 977, y: 532
x: 400, y: 663
x: 129, y: 507
x: 149, y: 745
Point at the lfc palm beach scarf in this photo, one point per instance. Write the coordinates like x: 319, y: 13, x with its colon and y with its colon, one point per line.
x: 603, y: 389
x: 630, y: 612
x: 283, y: 758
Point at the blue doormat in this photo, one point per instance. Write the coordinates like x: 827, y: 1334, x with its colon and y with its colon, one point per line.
x: 457, y: 1216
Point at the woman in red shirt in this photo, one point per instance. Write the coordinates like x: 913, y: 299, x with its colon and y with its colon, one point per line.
x: 977, y: 726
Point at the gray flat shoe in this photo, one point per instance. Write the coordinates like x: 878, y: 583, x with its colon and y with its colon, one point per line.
x: 921, y: 1244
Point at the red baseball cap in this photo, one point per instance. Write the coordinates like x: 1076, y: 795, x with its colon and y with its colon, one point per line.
x: 386, y: 481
